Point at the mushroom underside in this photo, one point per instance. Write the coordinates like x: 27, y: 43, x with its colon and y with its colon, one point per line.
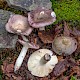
x: 37, y: 65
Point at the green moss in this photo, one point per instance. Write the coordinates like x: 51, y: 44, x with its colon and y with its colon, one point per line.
x: 68, y: 10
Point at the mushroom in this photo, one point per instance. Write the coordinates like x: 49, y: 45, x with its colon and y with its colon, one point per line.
x: 41, y: 17
x: 18, y: 24
x: 64, y: 43
x: 23, y: 52
x: 42, y: 62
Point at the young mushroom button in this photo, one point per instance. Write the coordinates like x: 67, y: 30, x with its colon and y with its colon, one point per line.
x: 42, y: 62
x: 41, y: 17
x: 64, y: 44
x: 18, y: 24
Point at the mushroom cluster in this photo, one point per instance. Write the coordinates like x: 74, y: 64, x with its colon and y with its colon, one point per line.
x: 39, y: 18
x: 42, y: 61
x: 23, y: 26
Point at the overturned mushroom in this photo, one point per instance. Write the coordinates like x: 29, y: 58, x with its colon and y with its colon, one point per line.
x: 64, y: 43
x: 23, y: 52
x: 42, y: 62
x: 41, y: 17
x: 18, y: 24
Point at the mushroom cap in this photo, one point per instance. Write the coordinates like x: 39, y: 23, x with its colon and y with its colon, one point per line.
x: 64, y: 44
x: 35, y: 65
x: 18, y: 24
x: 41, y: 17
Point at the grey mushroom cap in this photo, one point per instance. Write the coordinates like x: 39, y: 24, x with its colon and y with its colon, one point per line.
x: 41, y: 17
x: 64, y: 44
x: 40, y: 67
x: 18, y: 24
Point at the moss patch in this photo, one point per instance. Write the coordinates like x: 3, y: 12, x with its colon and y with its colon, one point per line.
x: 68, y: 10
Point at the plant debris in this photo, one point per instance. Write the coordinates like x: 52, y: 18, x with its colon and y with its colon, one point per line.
x: 46, y: 36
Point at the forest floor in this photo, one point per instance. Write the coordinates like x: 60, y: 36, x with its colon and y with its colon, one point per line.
x: 69, y: 66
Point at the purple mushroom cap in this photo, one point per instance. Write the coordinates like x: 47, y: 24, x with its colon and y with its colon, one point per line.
x: 41, y: 17
x: 18, y: 24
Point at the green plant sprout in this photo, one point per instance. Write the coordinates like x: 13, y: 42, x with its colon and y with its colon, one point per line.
x: 73, y: 78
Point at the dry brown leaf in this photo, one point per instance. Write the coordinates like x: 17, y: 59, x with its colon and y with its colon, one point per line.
x: 60, y: 68
x: 46, y: 36
x: 71, y: 62
x: 76, y: 69
x: 8, y: 68
x: 60, y: 58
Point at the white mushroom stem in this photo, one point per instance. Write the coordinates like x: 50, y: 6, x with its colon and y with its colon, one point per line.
x: 45, y: 58
x: 24, y: 38
x: 20, y: 58
x: 42, y: 28
x: 23, y: 52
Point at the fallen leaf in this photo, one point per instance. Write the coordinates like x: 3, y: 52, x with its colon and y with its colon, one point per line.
x: 8, y: 70
x: 46, y: 36
x: 63, y: 65
x: 76, y: 69
x: 6, y: 67
x: 72, y: 62
x: 60, y: 58
x: 60, y: 68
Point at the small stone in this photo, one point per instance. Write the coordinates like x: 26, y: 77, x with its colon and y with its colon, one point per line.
x: 7, y: 40
x: 29, y: 4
